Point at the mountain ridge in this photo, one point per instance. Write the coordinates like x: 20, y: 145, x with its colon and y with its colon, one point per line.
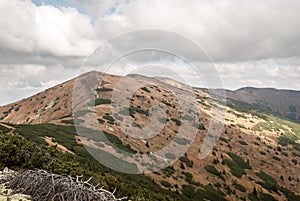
x: 255, y: 151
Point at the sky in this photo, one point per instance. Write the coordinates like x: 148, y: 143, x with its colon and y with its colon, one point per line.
x: 247, y: 43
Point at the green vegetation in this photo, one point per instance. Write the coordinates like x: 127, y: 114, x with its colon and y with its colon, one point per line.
x: 168, y: 171
x: 100, y: 101
x: 25, y: 152
x: 187, y: 161
x: 277, y: 124
x: 241, y: 126
x: 237, y: 165
x: 262, y: 152
x: 170, y: 156
x: 163, y: 120
x: 3, y: 129
x: 167, y: 103
x: 145, y: 89
x: 16, y: 152
x: 249, y: 108
x: 166, y: 184
x: 243, y: 142
x: 270, y: 184
x: 253, y: 197
x: 62, y: 134
x: 133, y: 110
x: 118, y: 143
x: 187, y: 118
x: 103, y: 89
x: 267, y: 197
x: 276, y: 158
x: 207, y: 193
x: 199, y: 126
x: 109, y: 119
x: 211, y: 169
x: 211, y: 193
x: 239, y: 161
x: 72, y: 121
x: 223, y: 139
x: 81, y: 113
x: 239, y: 187
x: 263, y: 125
x: 235, y: 169
x: 182, y: 141
x: 178, y: 122
x: 287, y: 137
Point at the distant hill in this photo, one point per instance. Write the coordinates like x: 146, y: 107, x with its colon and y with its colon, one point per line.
x: 282, y: 103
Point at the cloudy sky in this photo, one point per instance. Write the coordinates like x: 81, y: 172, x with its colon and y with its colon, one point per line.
x: 45, y: 42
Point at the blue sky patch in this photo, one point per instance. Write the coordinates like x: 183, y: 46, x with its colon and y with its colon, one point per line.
x: 55, y: 3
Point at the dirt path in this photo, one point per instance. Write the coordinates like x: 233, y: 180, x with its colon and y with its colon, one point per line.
x: 59, y: 147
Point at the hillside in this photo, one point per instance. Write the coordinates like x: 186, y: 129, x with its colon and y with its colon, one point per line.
x: 256, y: 157
x: 268, y: 100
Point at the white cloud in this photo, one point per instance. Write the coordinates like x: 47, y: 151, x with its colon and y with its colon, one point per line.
x: 44, y: 29
x: 228, y: 30
x: 275, y: 73
x: 19, y: 81
x: 44, y: 45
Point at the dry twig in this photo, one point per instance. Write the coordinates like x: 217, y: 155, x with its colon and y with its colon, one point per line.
x: 41, y: 185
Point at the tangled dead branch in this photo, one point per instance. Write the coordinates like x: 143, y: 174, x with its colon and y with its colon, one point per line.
x: 41, y: 185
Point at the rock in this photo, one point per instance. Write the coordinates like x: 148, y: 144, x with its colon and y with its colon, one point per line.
x: 6, y: 194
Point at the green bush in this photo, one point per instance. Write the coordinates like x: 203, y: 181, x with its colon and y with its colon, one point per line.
x: 187, y: 161
x: 239, y: 161
x: 188, y: 191
x: 63, y: 134
x: 267, y: 197
x: 182, y: 141
x: 81, y: 113
x: 211, y: 169
x: 168, y: 171
x: 235, y: 169
x: 262, y: 152
x: 199, y: 126
x: 166, y: 184
x: 237, y: 165
x: 223, y: 139
x: 239, y: 187
x: 103, y: 89
x: 15, y: 151
x: 118, y: 143
x: 133, y: 110
x: 145, y: 89
x: 276, y: 158
x: 101, y: 101
x: 243, y: 142
x: 177, y: 122
x: 269, y: 182
x: 252, y: 197
x: 167, y: 103
x: 187, y: 118
x: 188, y: 175
x: 109, y: 118
x: 4, y: 129
x: 170, y: 156
x: 210, y: 193
x: 72, y: 121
